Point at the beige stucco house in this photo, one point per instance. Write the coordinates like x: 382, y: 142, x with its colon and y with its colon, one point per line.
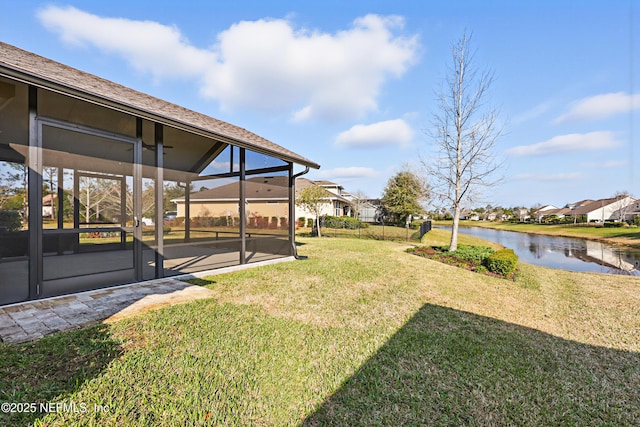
x: 266, y: 197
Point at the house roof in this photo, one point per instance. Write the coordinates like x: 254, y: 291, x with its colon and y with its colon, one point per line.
x: 323, y: 183
x: 583, y: 207
x: 304, y: 182
x: 256, y: 188
x: 49, y: 199
x: 48, y: 74
x: 596, y: 204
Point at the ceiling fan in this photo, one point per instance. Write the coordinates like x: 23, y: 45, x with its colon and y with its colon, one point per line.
x: 151, y: 147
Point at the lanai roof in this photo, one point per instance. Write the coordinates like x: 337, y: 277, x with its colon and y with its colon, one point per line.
x: 45, y: 73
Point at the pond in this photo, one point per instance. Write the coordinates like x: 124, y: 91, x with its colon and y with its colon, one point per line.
x: 563, y: 252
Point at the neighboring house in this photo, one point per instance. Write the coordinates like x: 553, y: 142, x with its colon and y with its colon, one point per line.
x: 266, y: 197
x: 48, y: 202
x: 340, y: 202
x: 612, y: 209
x: 336, y: 204
x: 632, y: 213
x: 469, y: 215
x: 522, y: 214
x: 544, y: 211
x: 370, y: 210
x: 619, y: 208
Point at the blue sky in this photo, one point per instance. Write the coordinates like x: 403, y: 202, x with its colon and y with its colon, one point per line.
x: 352, y: 85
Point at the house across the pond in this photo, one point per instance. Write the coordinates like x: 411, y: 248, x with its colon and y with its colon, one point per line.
x: 619, y: 208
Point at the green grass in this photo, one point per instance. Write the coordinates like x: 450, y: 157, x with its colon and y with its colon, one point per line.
x: 359, y: 333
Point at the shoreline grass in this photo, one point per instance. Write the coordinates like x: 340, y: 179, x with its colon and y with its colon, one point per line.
x: 359, y: 333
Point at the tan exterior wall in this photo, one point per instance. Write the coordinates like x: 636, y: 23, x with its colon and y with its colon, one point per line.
x: 214, y: 209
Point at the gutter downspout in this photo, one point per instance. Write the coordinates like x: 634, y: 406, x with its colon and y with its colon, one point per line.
x: 292, y: 209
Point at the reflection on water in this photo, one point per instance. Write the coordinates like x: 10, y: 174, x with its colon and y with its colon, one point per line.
x: 563, y: 252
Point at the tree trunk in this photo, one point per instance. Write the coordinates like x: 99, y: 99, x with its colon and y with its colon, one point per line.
x: 454, y: 229
x: 318, y: 224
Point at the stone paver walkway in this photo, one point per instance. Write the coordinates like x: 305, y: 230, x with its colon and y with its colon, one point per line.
x: 34, y: 319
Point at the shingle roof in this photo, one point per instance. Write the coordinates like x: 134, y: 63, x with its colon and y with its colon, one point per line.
x: 266, y: 188
x: 304, y: 182
x: 49, y: 74
x: 596, y: 204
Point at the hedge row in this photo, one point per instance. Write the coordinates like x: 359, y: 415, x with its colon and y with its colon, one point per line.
x: 223, y: 221
x: 345, y: 222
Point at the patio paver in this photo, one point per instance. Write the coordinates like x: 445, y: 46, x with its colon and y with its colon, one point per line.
x: 32, y: 320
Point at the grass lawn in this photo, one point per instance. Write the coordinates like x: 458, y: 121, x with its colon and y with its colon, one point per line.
x: 624, y: 236
x: 359, y: 333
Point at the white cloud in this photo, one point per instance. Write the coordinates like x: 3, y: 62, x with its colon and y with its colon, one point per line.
x: 266, y: 64
x: 148, y: 46
x: 574, y: 142
x: 563, y: 176
x: 532, y: 113
x: 601, y: 106
x: 348, y: 173
x: 389, y: 132
x: 609, y: 164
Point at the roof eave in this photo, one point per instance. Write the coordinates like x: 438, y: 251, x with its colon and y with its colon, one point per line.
x: 41, y: 82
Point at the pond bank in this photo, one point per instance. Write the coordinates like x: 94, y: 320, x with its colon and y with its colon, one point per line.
x: 613, y: 236
x: 565, y: 253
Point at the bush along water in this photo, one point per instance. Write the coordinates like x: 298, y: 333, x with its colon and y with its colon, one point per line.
x: 503, y: 262
x: 480, y: 259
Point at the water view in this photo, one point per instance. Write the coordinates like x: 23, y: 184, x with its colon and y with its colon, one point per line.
x: 564, y: 253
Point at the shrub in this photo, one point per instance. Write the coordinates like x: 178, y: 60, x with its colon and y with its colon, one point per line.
x: 310, y: 222
x: 480, y: 269
x: 302, y: 221
x: 346, y: 222
x: 474, y: 254
x: 614, y: 224
x: 502, y: 262
x: 10, y: 221
x: 263, y: 221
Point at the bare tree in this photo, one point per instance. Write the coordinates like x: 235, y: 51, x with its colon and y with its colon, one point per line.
x: 311, y: 199
x: 465, y: 132
x: 624, y: 204
x: 358, y: 200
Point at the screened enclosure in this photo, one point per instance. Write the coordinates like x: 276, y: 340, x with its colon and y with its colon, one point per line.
x: 97, y: 192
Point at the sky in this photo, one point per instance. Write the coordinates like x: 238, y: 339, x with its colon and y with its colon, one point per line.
x: 353, y: 85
